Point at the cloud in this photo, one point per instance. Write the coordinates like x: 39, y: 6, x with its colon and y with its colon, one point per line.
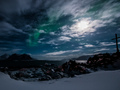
x: 73, y: 7
x: 64, y: 38
x: 9, y: 51
x: 3, y: 49
x: 80, y: 47
x: 19, y: 6
x: 110, y: 10
x: 52, y: 33
x: 8, y: 6
x: 107, y: 43
x: 56, y: 41
x: 56, y: 9
x: 119, y: 29
x: 39, y: 41
x: 57, y: 53
x: 62, y: 52
x: 10, y: 35
x: 89, y: 45
x: 42, y: 31
x: 8, y: 29
x: 62, y: 6
x: 84, y: 26
x: 52, y: 42
x: 103, y: 49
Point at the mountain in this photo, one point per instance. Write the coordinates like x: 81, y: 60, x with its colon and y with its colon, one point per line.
x: 19, y: 57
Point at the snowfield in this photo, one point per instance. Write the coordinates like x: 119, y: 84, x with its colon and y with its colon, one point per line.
x: 101, y: 80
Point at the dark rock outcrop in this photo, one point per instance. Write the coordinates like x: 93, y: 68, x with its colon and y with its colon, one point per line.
x: 103, y: 61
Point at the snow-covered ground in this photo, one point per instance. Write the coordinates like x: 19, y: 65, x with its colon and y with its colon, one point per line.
x: 102, y: 80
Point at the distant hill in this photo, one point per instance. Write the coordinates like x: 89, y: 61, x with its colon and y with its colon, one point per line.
x: 85, y: 57
x: 19, y: 57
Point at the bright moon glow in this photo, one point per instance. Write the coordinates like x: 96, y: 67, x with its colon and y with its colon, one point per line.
x: 81, y: 27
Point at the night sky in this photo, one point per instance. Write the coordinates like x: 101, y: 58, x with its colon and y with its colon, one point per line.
x: 58, y: 29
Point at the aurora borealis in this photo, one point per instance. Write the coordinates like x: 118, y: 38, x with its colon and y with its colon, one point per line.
x: 58, y: 29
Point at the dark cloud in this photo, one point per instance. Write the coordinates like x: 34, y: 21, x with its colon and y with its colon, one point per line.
x: 2, y: 18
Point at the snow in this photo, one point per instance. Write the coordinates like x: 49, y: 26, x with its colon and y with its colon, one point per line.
x: 101, y: 80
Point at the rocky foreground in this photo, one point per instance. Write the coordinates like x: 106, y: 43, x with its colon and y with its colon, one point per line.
x: 46, y: 72
x: 68, y: 69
